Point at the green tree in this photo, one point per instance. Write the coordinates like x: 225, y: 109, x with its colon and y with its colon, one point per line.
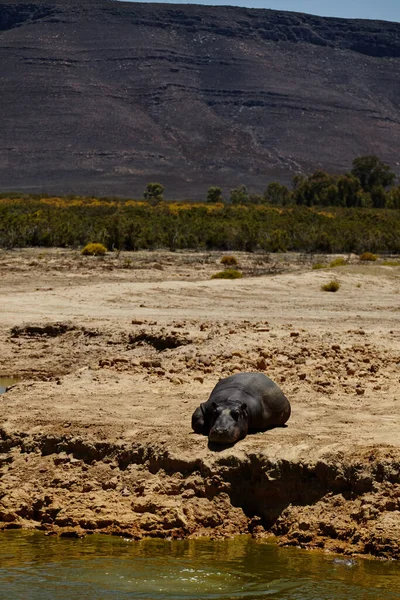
x: 239, y: 195
x: 154, y: 192
x: 372, y: 172
x: 276, y: 193
x: 214, y: 194
x: 348, y: 187
x: 298, y: 180
x: 256, y: 199
x: 319, y: 189
x: 393, y: 198
x: 378, y: 196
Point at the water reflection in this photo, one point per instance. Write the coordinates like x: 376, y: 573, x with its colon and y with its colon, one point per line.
x: 5, y: 382
x: 36, y: 567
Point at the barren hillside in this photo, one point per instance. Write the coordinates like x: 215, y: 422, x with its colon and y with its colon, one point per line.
x: 105, y: 97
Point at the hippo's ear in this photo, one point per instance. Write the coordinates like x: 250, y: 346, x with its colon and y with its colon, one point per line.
x: 213, y: 405
x: 203, y: 407
x: 243, y: 408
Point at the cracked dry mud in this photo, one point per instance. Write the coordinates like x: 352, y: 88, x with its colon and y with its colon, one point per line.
x: 115, y: 355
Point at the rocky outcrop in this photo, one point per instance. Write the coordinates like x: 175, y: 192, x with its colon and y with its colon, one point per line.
x: 115, y: 94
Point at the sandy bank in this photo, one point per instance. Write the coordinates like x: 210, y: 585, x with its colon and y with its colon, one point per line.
x: 115, y: 355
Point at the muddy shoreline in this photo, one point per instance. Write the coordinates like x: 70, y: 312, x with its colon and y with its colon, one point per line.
x: 115, y: 354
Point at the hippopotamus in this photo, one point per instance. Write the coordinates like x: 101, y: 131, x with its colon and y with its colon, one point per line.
x: 241, y: 404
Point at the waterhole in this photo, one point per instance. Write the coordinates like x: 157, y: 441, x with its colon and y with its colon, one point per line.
x: 99, y: 567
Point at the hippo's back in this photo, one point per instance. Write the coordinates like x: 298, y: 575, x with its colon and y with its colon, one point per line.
x: 266, y: 402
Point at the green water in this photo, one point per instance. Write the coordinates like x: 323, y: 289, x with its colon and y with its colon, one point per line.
x: 5, y: 382
x: 33, y: 566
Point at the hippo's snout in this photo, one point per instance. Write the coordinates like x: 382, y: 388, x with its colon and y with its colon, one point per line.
x: 223, y: 436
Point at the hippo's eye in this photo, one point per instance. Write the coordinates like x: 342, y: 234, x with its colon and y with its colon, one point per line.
x: 235, y: 414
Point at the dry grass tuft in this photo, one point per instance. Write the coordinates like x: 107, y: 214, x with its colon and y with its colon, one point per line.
x: 332, y: 286
x: 94, y: 250
x: 227, y: 274
x: 229, y: 261
x: 338, y: 262
x: 368, y: 256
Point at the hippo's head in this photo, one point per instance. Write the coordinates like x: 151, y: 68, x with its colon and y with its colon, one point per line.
x: 228, y: 423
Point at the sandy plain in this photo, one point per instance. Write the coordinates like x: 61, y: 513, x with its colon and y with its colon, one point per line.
x: 115, y: 353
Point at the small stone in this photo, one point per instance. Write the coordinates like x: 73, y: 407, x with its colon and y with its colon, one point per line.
x: 360, y: 391
x: 110, y: 485
x: 87, y: 487
x: 151, y: 363
x: 261, y: 364
x: 302, y: 376
x: 294, y: 334
x: 188, y: 493
x: 121, y: 359
x: 61, y: 459
x: 205, y: 360
x: 104, y: 363
x: 323, y: 382
x: 8, y: 517
x: 73, y: 533
x: 300, y: 360
x: 199, y: 378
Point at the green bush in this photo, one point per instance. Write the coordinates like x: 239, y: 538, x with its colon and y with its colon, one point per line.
x: 227, y: 274
x: 318, y: 266
x: 332, y: 286
x: 338, y: 262
x: 229, y: 261
x: 130, y: 226
x: 368, y: 256
x: 94, y: 250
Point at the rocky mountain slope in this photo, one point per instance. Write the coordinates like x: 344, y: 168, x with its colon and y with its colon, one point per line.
x: 107, y: 96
